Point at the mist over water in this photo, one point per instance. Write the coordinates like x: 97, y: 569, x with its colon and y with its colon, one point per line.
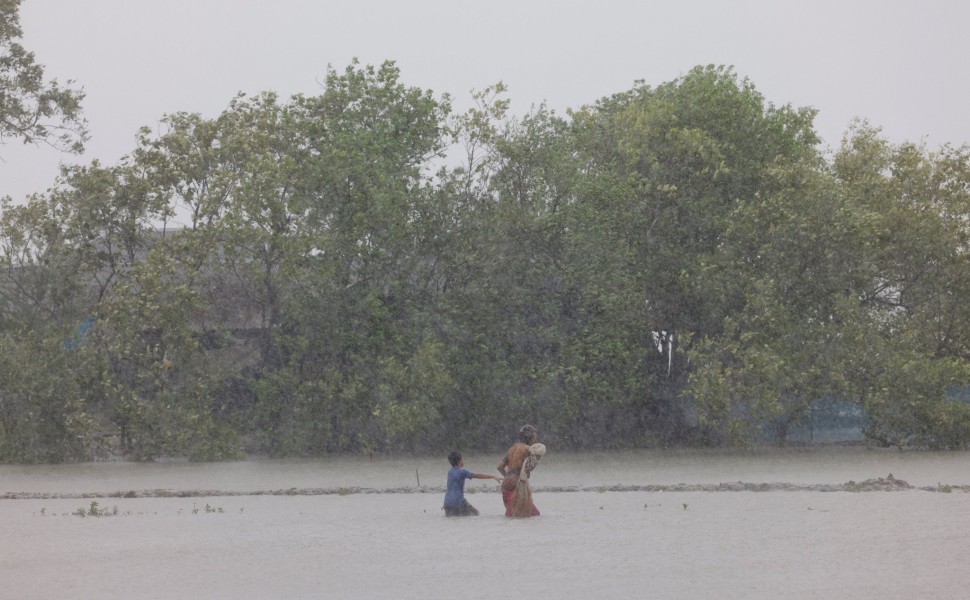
x: 820, y: 465
x: 905, y: 544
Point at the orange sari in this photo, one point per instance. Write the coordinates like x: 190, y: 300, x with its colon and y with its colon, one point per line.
x: 516, y: 492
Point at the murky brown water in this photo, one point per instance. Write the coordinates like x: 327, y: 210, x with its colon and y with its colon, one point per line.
x: 679, y: 545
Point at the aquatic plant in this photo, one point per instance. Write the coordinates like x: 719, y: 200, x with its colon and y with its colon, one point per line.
x: 207, y: 508
x: 95, y: 511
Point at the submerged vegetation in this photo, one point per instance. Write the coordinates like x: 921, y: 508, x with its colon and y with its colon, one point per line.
x: 365, y: 271
x: 95, y: 511
x: 877, y: 484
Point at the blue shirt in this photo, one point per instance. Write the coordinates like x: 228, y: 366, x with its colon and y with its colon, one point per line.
x: 456, y: 486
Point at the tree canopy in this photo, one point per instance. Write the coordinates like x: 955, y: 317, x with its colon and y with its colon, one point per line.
x: 678, y: 264
x: 32, y: 109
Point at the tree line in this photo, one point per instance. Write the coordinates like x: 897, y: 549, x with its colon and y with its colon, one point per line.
x: 368, y: 271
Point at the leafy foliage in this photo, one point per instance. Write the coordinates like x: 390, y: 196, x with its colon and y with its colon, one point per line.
x: 31, y: 109
x: 671, y: 265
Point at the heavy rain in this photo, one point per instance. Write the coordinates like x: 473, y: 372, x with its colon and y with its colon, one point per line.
x: 671, y: 335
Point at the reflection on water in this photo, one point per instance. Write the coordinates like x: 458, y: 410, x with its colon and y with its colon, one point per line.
x: 824, y: 465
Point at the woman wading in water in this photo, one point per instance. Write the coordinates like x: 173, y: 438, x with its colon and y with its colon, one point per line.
x: 516, y: 492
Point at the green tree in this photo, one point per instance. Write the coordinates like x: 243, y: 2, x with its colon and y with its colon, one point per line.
x: 362, y: 265
x: 916, y: 203
x: 668, y: 169
x: 847, y: 274
x: 158, y: 383
x: 46, y: 407
x: 675, y: 264
x: 34, y: 110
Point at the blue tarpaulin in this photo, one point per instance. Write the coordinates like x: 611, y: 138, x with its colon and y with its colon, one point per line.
x: 82, y: 331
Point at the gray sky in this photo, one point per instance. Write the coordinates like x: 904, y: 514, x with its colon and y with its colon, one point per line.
x: 903, y: 65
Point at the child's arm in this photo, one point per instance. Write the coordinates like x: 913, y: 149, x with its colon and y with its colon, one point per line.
x: 484, y: 476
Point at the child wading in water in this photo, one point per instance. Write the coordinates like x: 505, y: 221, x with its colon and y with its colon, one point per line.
x: 455, y: 503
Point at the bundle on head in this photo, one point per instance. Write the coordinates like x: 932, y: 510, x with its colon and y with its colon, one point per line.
x: 536, y: 452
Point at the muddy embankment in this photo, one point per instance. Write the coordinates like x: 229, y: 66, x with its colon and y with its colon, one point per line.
x: 880, y: 484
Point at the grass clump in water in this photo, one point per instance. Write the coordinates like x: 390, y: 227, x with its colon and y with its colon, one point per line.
x: 96, y: 511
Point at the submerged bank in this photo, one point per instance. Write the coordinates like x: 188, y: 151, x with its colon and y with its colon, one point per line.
x: 879, y: 484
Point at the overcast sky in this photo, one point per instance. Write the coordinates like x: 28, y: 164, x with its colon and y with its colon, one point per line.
x: 903, y: 65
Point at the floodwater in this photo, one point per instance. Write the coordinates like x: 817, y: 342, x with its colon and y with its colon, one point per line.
x: 251, y: 529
